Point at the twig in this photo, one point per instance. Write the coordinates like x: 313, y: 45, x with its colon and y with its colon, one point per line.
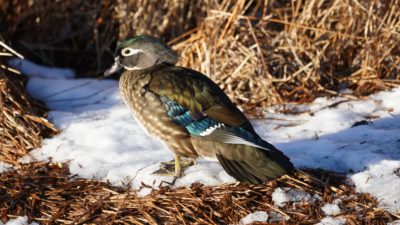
x: 11, y: 50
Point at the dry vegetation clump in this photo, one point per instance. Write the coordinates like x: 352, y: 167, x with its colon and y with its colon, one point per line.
x: 166, y: 19
x: 22, y: 122
x: 48, y: 194
x: 79, y: 34
x: 266, y: 53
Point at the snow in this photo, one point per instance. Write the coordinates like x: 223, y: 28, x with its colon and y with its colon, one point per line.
x: 258, y: 216
x: 282, y: 195
x: 331, y: 209
x: 274, y: 216
x: 332, y: 221
x: 21, y: 220
x: 100, y: 139
x: 34, y: 70
x: 381, y: 179
x: 4, y: 166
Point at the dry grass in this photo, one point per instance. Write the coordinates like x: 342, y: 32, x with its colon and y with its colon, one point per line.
x: 78, y: 34
x: 49, y: 194
x: 22, y: 122
x: 273, y: 53
x: 166, y: 19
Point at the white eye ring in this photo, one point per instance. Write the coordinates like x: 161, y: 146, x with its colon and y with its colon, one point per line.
x: 130, y: 51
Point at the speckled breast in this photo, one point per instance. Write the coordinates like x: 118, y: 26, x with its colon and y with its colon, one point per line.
x: 150, y: 113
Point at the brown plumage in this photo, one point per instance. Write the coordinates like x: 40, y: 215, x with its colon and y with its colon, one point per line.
x: 191, y: 114
x: 151, y: 113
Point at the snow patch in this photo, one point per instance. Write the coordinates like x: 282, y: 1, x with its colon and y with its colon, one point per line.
x: 331, y: 209
x: 21, y: 220
x: 258, y: 216
x: 277, y: 217
x: 332, y: 221
x: 384, y: 174
x: 34, y: 70
x: 280, y: 196
x: 4, y: 166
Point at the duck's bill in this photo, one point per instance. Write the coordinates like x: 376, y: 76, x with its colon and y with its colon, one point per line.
x: 114, y: 68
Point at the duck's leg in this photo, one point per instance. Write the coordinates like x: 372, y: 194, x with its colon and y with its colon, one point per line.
x: 186, y: 162
x: 174, y: 167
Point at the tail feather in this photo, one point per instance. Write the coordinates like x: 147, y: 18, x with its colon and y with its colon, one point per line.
x: 247, y: 157
x: 238, y: 171
x: 254, y: 165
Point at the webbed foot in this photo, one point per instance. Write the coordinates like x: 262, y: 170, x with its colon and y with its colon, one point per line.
x: 174, y: 167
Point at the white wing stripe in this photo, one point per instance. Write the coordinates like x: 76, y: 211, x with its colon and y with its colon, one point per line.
x: 214, y: 133
x: 209, y: 130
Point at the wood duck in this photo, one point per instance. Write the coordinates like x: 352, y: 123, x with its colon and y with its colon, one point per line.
x: 191, y: 114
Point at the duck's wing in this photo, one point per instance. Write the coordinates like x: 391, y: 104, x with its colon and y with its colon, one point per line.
x: 197, y: 94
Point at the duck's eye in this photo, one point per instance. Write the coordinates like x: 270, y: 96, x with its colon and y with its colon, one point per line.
x: 130, y: 51
x: 126, y: 52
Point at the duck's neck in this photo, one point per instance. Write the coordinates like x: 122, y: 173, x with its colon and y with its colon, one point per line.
x: 150, y: 69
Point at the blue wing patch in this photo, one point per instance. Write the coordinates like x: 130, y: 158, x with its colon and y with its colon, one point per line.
x: 211, y: 129
x: 184, y: 118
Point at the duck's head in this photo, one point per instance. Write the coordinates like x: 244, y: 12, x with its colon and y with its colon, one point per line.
x: 141, y: 52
